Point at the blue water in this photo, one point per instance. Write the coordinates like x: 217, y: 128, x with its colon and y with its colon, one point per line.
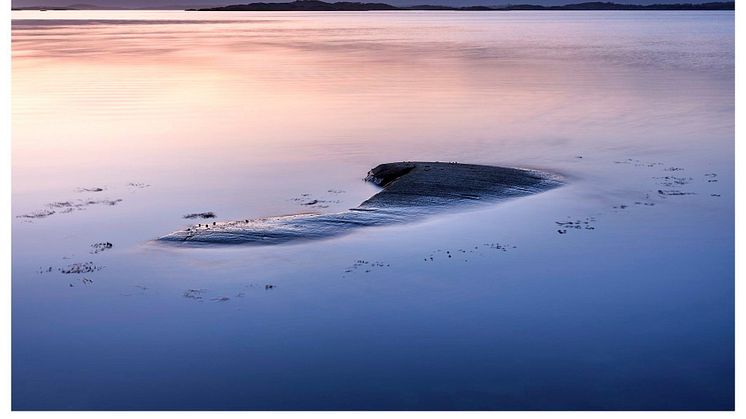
x: 502, y: 307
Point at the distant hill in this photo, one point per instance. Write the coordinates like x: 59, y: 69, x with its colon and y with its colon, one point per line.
x: 318, y: 6
x: 109, y: 5
x: 307, y: 6
x: 618, y: 6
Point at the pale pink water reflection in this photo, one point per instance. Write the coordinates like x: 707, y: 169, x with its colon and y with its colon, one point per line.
x: 176, y: 88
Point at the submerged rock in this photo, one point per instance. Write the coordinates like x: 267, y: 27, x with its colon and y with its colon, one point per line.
x: 411, y: 191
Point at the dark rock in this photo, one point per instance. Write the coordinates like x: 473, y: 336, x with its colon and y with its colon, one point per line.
x: 411, y: 191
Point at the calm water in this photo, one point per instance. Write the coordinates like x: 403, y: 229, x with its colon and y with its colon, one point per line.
x: 256, y: 114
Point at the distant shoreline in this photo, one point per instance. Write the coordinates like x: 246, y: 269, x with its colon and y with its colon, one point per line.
x: 321, y: 6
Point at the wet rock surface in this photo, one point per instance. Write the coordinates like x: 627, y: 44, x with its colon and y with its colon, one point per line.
x: 411, y: 190
x: 422, y: 184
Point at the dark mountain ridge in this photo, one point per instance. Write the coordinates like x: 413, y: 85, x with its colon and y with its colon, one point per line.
x: 317, y: 5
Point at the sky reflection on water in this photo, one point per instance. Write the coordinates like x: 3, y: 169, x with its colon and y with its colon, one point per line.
x: 244, y: 113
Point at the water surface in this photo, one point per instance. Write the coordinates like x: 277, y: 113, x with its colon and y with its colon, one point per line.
x: 248, y: 115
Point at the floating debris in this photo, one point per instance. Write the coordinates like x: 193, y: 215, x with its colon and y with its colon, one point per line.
x: 270, y: 287
x: 586, y: 224
x: 138, y: 185
x: 220, y: 299
x: 45, y: 270
x: 80, y: 204
x: 670, y: 181
x: 37, y: 214
x: 100, y: 247
x: 64, y: 207
x: 80, y: 268
x: 366, y: 266
x: 498, y: 246
x: 673, y: 192
x: 208, y: 214
x: 94, y: 189
x: 448, y: 254
x: 306, y: 199
x: 194, y: 294
x: 639, y: 163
